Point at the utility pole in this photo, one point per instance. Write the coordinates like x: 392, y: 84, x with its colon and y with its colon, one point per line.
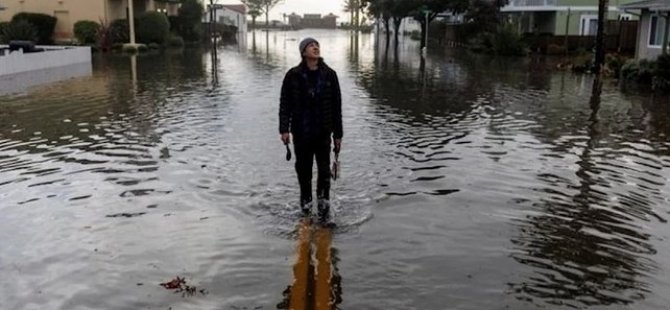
x: 600, y: 37
x: 131, y: 22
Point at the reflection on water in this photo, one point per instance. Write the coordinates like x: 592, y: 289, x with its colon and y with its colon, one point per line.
x: 467, y: 182
x: 317, y: 283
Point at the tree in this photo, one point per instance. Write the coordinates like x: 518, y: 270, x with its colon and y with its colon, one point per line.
x: 380, y: 10
x: 255, y: 9
x: 190, y: 17
x: 267, y: 6
x: 350, y: 7
x: 435, y: 7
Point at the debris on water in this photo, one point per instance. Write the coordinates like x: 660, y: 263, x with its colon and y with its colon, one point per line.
x: 179, y: 286
x: 126, y: 214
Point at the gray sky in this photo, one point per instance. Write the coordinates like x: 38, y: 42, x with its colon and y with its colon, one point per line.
x: 304, y: 6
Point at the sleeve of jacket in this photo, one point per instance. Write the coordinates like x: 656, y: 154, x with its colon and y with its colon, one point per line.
x: 285, y: 104
x: 337, y: 109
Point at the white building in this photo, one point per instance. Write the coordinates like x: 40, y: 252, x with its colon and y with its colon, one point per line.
x: 230, y: 14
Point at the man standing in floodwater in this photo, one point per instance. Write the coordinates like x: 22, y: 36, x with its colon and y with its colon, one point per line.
x: 310, y: 109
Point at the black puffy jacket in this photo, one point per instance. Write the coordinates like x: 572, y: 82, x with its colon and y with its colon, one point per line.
x: 295, y: 100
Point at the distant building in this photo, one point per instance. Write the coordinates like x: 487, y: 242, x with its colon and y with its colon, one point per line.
x: 313, y: 21
x: 230, y: 14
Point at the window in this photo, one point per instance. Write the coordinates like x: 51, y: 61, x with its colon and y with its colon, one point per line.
x: 589, y: 25
x: 656, y: 31
x: 626, y: 17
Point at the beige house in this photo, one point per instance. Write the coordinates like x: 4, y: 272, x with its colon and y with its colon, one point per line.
x: 69, y: 12
x: 653, y: 29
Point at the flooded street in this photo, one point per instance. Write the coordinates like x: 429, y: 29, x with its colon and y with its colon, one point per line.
x: 467, y: 182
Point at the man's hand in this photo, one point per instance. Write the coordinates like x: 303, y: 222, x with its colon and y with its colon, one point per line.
x: 286, y: 138
x: 337, y: 145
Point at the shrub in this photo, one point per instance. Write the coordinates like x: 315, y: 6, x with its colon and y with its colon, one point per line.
x: 583, y: 63
x: 175, y: 41
x: 19, y: 30
x: 613, y: 63
x: 118, y: 31
x: 117, y: 46
x: 639, y: 71
x: 3, y: 26
x: 153, y: 46
x: 44, y: 25
x: 505, y: 41
x: 661, y: 80
x: 153, y: 27
x: 86, y: 31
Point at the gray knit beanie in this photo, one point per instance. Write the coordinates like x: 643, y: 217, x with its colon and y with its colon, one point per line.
x: 305, y: 42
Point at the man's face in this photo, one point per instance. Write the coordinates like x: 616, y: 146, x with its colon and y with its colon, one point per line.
x: 312, y: 51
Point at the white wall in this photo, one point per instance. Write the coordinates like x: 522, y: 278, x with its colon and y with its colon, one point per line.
x: 18, y: 62
x: 234, y: 18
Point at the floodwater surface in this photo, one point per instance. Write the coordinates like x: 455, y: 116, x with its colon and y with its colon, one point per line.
x: 467, y: 182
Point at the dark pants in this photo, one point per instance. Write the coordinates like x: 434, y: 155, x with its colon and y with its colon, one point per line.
x: 305, y: 152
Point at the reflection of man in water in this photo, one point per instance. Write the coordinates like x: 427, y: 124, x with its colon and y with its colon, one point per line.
x: 311, y: 110
x: 317, y: 283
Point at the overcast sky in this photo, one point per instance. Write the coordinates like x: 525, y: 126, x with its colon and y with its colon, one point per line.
x: 304, y: 6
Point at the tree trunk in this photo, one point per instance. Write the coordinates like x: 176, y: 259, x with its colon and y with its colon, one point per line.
x: 356, y: 10
x: 396, y: 25
x: 388, y: 32
x: 423, y: 40
x: 600, y: 37
x: 267, y: 19
x: 253, y: 22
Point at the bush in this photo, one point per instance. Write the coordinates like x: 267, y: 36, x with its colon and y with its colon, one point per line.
x: 3, y: 26
x: 152, y: 27
x: 19, y: 30
x: 505, y: 41
x: 153, y: 46
x: 44, y: 25
x: 117, y: 46
x: 175, y: 41
x: 661, y: 80
x: 118, y: 31
x: 86, y: 31
x: 614, y: 63
x: 639, y: 71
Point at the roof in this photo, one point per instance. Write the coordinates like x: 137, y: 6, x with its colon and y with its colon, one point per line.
x: 240, y: 8
x: 652, y: 5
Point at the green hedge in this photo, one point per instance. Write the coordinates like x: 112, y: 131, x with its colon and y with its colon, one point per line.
x: 44, y: 24
x: 86, y: 31
x: 18, y: 30
x: 152, y: 27
x: 3, y: 26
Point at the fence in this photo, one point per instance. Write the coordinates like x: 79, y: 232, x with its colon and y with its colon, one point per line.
x: 621, y: 37
x: 53, y: 56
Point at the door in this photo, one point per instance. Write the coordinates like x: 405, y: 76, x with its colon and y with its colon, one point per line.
x: 63, y: 31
